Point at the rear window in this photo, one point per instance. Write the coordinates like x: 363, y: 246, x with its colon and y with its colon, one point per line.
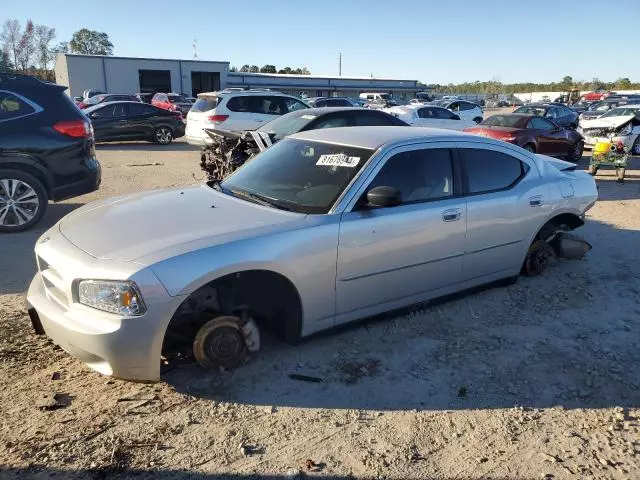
x: 177, y: 99
x: 204, y: 104
x: 504, y: 121
x: 12, y: 106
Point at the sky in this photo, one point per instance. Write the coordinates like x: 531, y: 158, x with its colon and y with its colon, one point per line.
x: 431, y: 41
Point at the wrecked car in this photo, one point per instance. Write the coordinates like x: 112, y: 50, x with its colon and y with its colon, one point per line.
x: 228, y: 151
x: 620, y: 125
x: 323, y: 228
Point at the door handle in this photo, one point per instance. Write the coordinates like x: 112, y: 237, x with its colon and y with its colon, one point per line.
x: 535, y: 201
x: 451, y: 215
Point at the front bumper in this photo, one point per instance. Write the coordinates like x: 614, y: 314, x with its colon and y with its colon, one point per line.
x: 627, y: 140
x: 124, y: 347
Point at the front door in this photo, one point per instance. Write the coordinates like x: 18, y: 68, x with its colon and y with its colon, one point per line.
x: 390, y: 257
x: 545, y: 132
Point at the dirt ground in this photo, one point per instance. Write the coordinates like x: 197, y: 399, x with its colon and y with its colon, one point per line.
x: 540, y: 379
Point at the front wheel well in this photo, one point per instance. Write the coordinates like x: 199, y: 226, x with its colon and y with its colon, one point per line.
x: 268, y: 297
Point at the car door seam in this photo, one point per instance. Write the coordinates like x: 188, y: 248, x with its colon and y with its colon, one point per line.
x: 404, y: 267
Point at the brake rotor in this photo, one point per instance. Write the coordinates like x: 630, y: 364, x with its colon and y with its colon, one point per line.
x: 220, y: 343
x: 538, y: 258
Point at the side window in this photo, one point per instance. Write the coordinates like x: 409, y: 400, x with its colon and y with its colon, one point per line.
x: 541, y: 124
x: 332, y: 122
x: 425, y: 113
x: 465, y: 106
x: 455, y: 106
x: 104, y: 112
x: 443, y: 113
x: 120, y: 109
x: 292, y: 104
x: 239, y: 104
x: 420, y: 175
x: 267, y: 105
x: 553, y: 113
x: 489, y: 171
x: 367, y: 119
x: 12, y: 106
x: 322, y: 103
x: 138, y: 109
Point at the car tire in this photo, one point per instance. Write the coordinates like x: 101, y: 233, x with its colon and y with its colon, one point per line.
x: 163, y: 136
x: 576, y: 152
x: 530, y: 147
x: 20, y: 188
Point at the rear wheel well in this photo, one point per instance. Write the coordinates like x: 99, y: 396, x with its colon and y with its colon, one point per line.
x: 268, y: 297
x: 564, y: 221
x: 31, y: 170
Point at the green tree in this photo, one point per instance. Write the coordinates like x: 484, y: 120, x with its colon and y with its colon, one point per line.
x: 245, y: 68
x: 10, y: 38
x: 286, y: 71
x: 254, y: 69
x: 90, y: 42
x: 268, y: 69
x: 623, y: 84
x: 567, y: 82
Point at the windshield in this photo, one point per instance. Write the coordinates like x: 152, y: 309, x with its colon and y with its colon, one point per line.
x: 593, y: 106
x: 603, y: 108
x: 287, y: 124
x: 621, y: 112
x: 178, y: 99
x: 298, y: 175
x: 531, y: 110
x: 504, y: 121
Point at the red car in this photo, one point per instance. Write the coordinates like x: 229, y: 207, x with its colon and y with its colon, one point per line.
x: 173, y: 102
x: 596, y: 96
x: 533, y: 133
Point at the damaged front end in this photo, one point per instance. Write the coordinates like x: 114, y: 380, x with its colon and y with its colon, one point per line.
x: 230, y: 150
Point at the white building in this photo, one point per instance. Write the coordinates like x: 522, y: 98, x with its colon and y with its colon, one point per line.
x: 133, y: 75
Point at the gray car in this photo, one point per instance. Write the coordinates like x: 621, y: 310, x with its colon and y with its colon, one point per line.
x: 325, y: 227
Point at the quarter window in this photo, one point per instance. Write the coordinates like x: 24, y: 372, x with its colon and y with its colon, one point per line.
x: 12, y: 106
x: 420, y: 175
x: 490, y: 171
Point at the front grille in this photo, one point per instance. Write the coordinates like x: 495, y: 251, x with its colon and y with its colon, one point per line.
x: 53, y: 283
x: 597, y: 132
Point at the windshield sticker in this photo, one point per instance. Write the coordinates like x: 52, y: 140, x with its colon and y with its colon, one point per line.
x: 338, y: 160
x: 308, y: 117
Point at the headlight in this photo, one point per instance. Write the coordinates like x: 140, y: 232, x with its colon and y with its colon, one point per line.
x: 120, y: 297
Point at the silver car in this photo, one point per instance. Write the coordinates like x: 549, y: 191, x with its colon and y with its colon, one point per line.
x: 325, y: 227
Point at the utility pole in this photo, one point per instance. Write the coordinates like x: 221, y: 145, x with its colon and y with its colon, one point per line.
x: 340, y: 64
x: 195, y: 49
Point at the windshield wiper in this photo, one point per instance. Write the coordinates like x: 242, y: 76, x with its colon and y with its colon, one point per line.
x: 260, y: 199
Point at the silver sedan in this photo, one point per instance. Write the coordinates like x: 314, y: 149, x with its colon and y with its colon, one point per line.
x: 325, y: 227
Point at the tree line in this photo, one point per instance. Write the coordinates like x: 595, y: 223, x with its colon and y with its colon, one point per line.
x: 271, y: 69
x: 30, y: 49
x: 567, y: 83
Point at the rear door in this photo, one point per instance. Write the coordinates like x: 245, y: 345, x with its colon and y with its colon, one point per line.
x: 547, y: 136
x: 124, y: 127
x: 452, y: 121
x: 140, y: 121
x: 506, y: 203
x: 103, y: 122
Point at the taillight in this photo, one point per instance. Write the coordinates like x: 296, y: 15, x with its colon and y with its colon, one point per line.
x: 74, y: 128
x: 217, y: 118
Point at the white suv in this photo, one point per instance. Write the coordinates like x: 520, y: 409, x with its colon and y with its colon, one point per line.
x: 236, y: 110
x: 465, y: 110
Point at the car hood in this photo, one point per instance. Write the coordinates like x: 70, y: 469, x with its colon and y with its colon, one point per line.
x: 134, y: 226
x: 606, y: 122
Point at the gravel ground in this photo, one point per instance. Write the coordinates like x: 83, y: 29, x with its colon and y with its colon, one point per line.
x: 536, y: 380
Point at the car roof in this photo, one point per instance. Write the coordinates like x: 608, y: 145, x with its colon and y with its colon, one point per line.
x: 520, y: 115
x: 228, y: 93
x: 373, y: 138
x: 545, y: 105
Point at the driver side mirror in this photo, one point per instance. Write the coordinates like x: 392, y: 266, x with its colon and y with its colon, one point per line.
x: 383, y: 196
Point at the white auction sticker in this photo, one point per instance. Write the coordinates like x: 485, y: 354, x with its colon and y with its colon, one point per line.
x: 338, y: 160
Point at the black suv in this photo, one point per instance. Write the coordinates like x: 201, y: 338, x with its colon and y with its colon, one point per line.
x: 47, y: 150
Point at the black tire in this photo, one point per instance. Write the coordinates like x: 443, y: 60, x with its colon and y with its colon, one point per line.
x: 477, y: 119
x: 219, y: 343
x: 163, y: 136
x: 576, y: 152
x: 33, y: 201
x: 530, y: 147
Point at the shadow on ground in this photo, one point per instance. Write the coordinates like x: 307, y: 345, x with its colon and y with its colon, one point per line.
x: 17, y: 261
x: 37, y: 473
x: 568, y: 337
